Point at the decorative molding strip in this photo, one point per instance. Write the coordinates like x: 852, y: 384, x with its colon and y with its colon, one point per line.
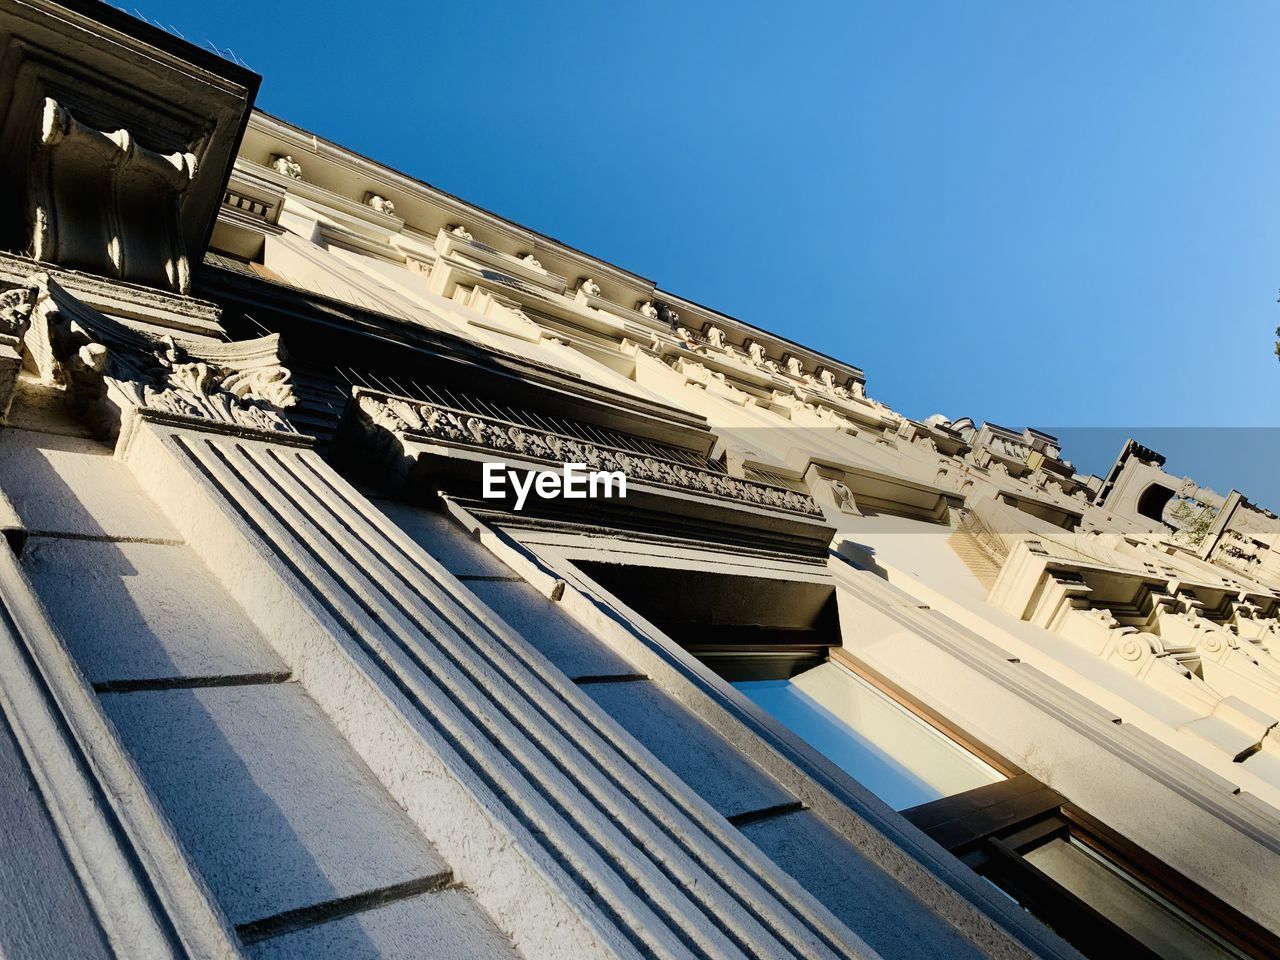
x: 416, y: 419
x: 185, y: 316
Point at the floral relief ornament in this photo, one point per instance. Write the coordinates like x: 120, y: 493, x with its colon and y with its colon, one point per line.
x: 107, y: 364
x: 179, y: 384
x: 15, y: 310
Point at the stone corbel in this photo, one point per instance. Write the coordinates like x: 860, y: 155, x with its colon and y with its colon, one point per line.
x: 107, y: 204
x: 113, y: 371
x: 757, y: 356
x: 828, y: 488
x: 496, y: 312
x: 720, y: 386
x: 951, y: 476
x: 926, y: 443
x: 836, y: 494
x: 694, y: 373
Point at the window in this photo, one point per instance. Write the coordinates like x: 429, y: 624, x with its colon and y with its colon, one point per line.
x: 778, y: 642
x: 1120, y: 898
x: 1099, y: 892
x: 873, y: 738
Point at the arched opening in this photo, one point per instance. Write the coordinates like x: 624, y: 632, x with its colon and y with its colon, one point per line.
x: 1153, y: 501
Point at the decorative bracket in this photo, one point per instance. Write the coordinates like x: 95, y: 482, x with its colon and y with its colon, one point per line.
x: 107, y: 204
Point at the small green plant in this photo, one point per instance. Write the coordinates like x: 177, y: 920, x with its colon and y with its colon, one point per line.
x: 1194, y: 519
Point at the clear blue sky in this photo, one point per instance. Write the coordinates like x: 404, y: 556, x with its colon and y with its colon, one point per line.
x: 1056, y: 214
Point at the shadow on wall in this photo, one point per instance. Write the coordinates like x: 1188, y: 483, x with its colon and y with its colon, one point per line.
x: 150, y: 615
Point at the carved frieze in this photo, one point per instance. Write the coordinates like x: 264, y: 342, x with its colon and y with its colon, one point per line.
x: 417, y: 419
x: 844, y: 498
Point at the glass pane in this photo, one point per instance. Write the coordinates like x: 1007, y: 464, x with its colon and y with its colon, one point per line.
x: 877, y: 741
x: 1126, y: 903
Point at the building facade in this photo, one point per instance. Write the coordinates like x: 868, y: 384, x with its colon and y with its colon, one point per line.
x: 312, y: 646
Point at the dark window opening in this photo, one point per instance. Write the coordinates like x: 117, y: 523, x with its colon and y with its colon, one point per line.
x: 777, y: 642
x: 1153, y: 501
x: 743, y: 628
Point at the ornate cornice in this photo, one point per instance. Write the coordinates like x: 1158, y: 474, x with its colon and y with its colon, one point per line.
x: 418, y: 420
